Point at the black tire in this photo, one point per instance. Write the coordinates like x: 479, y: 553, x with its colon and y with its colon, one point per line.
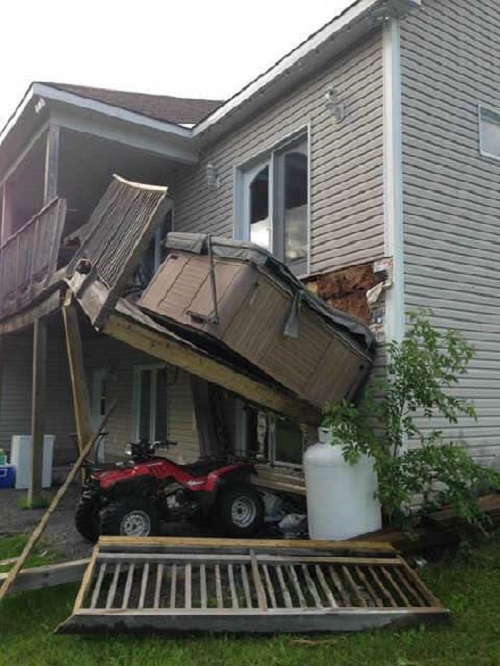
x: 87, y: 519
x: 240, y: 510
x: 130, y: 517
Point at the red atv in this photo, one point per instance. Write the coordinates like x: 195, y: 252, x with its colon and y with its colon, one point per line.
x: 131, y: 498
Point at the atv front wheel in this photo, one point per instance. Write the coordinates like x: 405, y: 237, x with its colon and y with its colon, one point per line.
x: 240, y: 510
x: 87, y: 519
x: 129, y: 518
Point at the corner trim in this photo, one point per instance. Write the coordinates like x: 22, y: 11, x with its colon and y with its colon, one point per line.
x: 393, y: 180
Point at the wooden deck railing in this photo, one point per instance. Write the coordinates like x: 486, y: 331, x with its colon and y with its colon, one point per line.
x: 28, y: 259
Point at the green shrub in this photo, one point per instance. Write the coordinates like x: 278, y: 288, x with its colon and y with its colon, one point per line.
x: 421, y: 373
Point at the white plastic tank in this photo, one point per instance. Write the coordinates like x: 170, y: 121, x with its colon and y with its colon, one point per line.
x: 340, y: 496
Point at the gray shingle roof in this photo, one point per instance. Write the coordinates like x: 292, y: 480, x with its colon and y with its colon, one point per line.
x: 176, y: 110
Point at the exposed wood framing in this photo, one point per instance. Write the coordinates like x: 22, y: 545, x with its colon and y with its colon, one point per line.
x: 12, y: 575
x: 38, y: 409
x: 19, y: 321
x: 181, y: 355
x: 81, y: 399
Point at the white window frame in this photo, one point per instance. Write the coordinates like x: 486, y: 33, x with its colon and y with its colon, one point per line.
x: 244, y: 173
x: 481, y: 108
x: 136, y: 409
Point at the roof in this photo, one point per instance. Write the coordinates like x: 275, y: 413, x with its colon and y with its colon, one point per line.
x: 176, y: 110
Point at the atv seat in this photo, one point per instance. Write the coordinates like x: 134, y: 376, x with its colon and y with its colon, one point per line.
x: 203, y: 467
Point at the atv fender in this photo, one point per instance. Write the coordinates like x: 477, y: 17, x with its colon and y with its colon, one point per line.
x: 141, y: 486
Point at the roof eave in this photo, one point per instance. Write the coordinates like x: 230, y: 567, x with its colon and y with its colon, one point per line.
x: 335, y: 37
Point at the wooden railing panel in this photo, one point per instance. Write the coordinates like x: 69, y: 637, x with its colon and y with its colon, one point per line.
x: 28, y: 259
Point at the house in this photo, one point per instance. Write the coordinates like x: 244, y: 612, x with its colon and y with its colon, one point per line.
x: 368, y: 155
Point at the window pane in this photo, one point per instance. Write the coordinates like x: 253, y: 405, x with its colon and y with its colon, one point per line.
x: 260, y: 226
x: 295, y: 205
x: 288, y: 442
x: 490, y: 132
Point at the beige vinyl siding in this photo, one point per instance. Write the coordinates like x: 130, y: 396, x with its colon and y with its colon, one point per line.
x: 450, y: 64
x: 346, y: 162
x: 120, y: 361
x: 15, y: 392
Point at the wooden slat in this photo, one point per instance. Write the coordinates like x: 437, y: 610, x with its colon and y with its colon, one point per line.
x: 173, y: 586
x: 203, y: 586
x: 381, y: 586
x: 338, y: 584
x: 86, y: 582
x: 431, y: 599
x: 295, y: 581
x: 98, y: 585
x: 159, y: 581
x: 188, y: 599
x: 325, y: 587
x: 218, y: 587
x: 353, y: 587
x: 368, y: 586
x: 396, y: 587
x: 196, y: 545
x: 232, y: 587
x: 144, y: 585
x: 112, y: 588
x: 311, y: 587
x: 411, y: 590
x: 287, y: 599
x: 261, y: 595
x: 246, y: 586
x: 128, y: 586
x: 269, y: 586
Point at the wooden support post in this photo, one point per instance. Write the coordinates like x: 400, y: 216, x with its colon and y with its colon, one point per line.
x: 53, y: 506
x: 81, y: 400
x: 50, y: 184
x: 38, y: 409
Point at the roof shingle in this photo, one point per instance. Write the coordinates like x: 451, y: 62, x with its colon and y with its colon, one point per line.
x: 176, y: 110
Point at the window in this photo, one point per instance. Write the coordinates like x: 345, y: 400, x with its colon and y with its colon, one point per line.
x: 150, y: 403
x: 489, y: 129
x: 272, y: 204
x: 280, y: 441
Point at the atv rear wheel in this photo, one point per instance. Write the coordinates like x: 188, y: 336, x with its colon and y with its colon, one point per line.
x: 138, y: 518
x: 87, y: 519
x: 240, y: 510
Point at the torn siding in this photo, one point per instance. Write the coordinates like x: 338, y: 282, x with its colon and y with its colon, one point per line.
x: 346, y: 209
x: 450, y: 64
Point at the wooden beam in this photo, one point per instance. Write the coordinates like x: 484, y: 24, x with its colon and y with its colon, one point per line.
x: 188, y: 358
x: 47, y: 576
x: 81, y: 399
x: 24, y: 319
x: 38, y: 409
x: 50, y: 184
x: 12, y: 575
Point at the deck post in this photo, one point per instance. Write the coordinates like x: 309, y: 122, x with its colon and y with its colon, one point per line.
x: 38, y: 409
x: 81, y: 400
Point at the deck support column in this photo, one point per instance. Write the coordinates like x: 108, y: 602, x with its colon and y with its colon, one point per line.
x: 38, y: 410
x: 81, y: 399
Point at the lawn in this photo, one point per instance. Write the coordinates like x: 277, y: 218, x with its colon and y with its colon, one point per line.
x: 468, y: 585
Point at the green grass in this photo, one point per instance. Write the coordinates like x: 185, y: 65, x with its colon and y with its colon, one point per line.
x: 470, y: 587
x: 12, y: 546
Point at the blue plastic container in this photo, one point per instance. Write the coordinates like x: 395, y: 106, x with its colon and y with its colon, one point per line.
x: 7, y: 476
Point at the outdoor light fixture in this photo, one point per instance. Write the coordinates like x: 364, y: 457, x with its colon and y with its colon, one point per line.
x: 334, y: 105
x: 213, y: 179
